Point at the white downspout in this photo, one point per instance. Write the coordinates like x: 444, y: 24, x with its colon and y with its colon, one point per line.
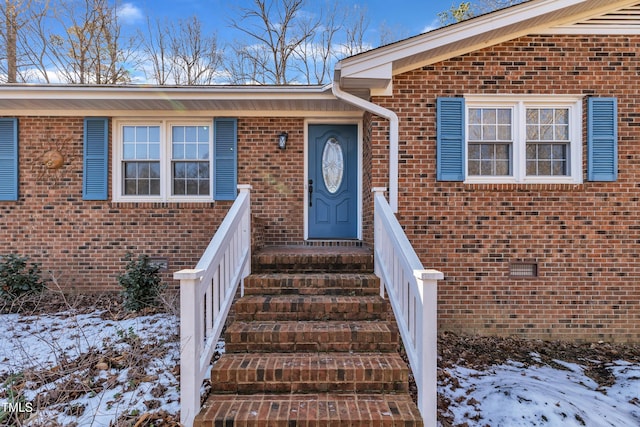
x: 393, y: 136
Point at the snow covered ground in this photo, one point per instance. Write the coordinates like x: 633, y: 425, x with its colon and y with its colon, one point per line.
x: 71, y: 369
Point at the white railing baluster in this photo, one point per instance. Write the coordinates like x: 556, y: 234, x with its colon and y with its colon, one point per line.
x: 412, y: 292
x: 206, y: 294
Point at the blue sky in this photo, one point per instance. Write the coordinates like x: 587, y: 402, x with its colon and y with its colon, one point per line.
x: 403, y: 17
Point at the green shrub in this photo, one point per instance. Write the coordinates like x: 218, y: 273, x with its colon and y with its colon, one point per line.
x: 141, y: 283
x: 17, y: 278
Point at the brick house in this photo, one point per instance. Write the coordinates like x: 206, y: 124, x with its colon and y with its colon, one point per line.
x: 508, y: 144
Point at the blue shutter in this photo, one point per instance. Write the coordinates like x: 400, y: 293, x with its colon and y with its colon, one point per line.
x: 9, y: 159
x: 96, y: 156
x: 602, y: 139
x: 450, y: 139
x: 225, y: 137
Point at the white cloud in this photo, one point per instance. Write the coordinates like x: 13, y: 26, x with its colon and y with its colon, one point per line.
x: 129, y: 13
x: 432, y: 26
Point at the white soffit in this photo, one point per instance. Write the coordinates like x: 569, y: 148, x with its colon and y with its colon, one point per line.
x: 533, y: 17
x: 236, y: 100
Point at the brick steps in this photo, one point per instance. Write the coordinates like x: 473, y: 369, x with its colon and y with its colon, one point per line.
x: 311, y: 410
x: 313, y: 260
x: 311, y: 345
x: 310, y: 307
x: 309, y: 373
x: 312, y: 284
x: 321, y: 336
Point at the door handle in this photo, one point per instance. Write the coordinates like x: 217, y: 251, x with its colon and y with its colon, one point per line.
x: 310, y: 192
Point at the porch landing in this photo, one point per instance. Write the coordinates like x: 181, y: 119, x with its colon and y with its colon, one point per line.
x: 311, y: 345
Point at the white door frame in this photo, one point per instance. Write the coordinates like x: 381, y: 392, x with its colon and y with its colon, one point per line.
x: 337, y: 121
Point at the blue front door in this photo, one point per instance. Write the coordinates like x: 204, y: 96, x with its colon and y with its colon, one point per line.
x: 333, y: 182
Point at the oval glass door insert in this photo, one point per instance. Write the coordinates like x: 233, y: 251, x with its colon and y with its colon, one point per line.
x: 332, y: 165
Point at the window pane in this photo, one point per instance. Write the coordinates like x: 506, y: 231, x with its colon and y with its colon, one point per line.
x: 203, y: 151
x: 191, y: 134
x: 488, y: 116
x: 489, y: 133
x: 129, y: 151
x: 142, y: 134
x: 504, y: 133
x: 178, y: 151
x: 154, y: 151
x: 544, y: 167
x: 154, y: 134
x: 562, y: 133
x: 179, y: 170
x: 475, y: 115
x: 203, y: 171
x: 546, y: 133
x: 129, y: 134
x: 562, y: 116
x: 533, y: 116
x: 191, y: 151
x: 546, y: 116
x: 203, y: 134
x: 475, y: 133
x: 203, y: 187
x: 474, y: 167
x: 504, y: 116
x: 154, y: 171
x: 544, y: 151
x: 177, y: 134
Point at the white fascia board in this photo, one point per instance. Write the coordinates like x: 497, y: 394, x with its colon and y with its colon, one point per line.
x: 163, y: 92
x: 473, y: 30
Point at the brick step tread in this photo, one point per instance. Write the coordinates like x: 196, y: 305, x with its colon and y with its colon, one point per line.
x: 310, y: 336
x: 310, y: 307
x: 309, y: 372
x: 312, y: 284
x: 311, y: 259
x: 321, y: 410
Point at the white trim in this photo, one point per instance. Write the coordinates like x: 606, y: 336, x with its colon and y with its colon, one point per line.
x: 359, y: 137
x: 519, y: 103
x: 165, y: 160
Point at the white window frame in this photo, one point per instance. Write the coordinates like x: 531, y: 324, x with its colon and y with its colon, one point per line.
x: 518, y: 104
x: 165, y: 160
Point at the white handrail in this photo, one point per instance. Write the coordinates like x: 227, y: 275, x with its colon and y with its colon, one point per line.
x: 206, y: 294
x: 412, y: 292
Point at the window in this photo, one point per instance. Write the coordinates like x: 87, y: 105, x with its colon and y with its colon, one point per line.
x: 163, y: 161
x: 523, y: 139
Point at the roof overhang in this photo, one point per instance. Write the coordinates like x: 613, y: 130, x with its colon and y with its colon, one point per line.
x: 68, y: 100
x: 375, y: 69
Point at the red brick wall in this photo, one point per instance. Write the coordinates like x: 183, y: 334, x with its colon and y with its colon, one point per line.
x: 585, y: 238
x: 83, y: 243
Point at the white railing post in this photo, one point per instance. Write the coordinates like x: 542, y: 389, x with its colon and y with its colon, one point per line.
x: 190, y: 343
x: 206, y: 295
x: 377, y: 235
x: 412, y: 293
x: 428, y: 345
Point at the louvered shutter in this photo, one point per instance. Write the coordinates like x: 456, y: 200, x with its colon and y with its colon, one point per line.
x: 450, y: 139
x: 225, y: 158
x: 95, y: 165
x: 602, y: 139
x: 9, y: 159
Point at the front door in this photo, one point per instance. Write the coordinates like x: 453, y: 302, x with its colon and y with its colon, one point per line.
x: 333, y: 182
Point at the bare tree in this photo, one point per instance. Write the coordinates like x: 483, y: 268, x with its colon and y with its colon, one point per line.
x: 196, y: 59
x: 91, y: 50
x: 155, y: 45
x: 466, y: 10
x: 275, y: 26
x: 356, y: 24
x: 315, y: 55
x: 18, y: 19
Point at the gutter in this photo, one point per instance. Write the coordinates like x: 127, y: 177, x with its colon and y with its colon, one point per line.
x: 393, y: 135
